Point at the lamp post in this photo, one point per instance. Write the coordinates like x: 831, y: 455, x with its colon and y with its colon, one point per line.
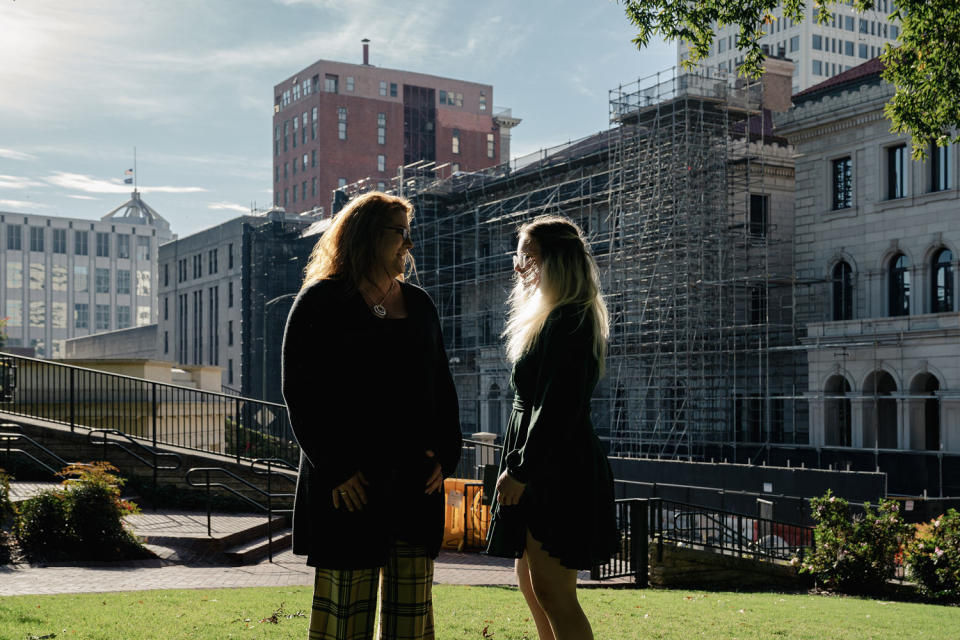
x: 263, y: 356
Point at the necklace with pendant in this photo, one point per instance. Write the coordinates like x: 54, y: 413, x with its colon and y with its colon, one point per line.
x: 378, y: 309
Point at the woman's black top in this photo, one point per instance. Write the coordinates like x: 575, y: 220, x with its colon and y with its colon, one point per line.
x: 568, y: 502
x: 371, y: 395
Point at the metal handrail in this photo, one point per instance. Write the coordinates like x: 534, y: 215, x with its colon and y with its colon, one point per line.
x: 154, y: 466
x: 9, y: 436
x: 269, y: 495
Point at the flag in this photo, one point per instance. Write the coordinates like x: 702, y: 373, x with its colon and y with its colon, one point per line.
x: 128, y: 181
x: 128, y: 172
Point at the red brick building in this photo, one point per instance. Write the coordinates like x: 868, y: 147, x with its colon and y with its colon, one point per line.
x: 335, y: 123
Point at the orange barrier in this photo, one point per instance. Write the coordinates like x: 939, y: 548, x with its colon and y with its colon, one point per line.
x: 466, y: 518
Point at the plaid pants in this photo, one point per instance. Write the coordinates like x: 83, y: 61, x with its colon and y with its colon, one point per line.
x: 345, y: 601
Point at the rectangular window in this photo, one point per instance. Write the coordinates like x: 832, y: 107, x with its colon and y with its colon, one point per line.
x: 894, y: 31
x: 14, y: 313
x: 166, y: 341
x: 455, y: 142
x: 14, y: 275
x: 349, y: 83
x: 80, y: 243
x: 58, y: 277
x: 36, y: 239
x: 123, y: 282
x: 230, y: 371
x: 313, y: 158
x: 848, y: 48
x: 59, y: 240
x: 794, y: 43
x: 143, y: 248
x: 381, y: 128
x: 758, y: 305
x: 817, y: 68
x: 81, y: 279
x: 143, y: 282
x: 896, y: 172
x: 759, y: 210
x: 842, y: 183
x: 443, y: 97
x: 303, y: 129
x: 313, y: 187
x: 939, y: 167
x: 864, y: 26
x: 342, y: 123
x: 212, y: 261
x: 123, y: 246
x: 58, y: 315
x: 102, y: 317
x: 817, y: 42
x: 491, y: 144
x: 229, y: 333
x: 230, y: 294
x: 483, y: 98
x: 103, y: 245
x: 13, y: 237
x: 305, y: 160
x: 81, y: 315
x: 166, y: 308
x: 303, y: 190
x: 393, y: 89
x: 123, y: 316
x: 848, y: 23
x: 862, y: 51
x: 341, y: 182
x: 230, y: 256
x: 101, y: 280
x: 383, y: 88
x: 330, y: 83
x: 381, y: 163
x: 37, y: 276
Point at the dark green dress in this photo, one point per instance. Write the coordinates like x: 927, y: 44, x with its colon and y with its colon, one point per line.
x: 568, y: 502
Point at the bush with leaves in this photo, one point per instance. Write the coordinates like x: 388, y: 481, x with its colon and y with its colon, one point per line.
x: 933, y: 557
x: 81, y: 521
x: 855, y: 554
x: 6, y: 510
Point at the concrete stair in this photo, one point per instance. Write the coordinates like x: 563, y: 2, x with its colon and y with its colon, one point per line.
x: 254, y: 550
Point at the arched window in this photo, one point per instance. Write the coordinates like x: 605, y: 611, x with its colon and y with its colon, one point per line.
x: 842, y: 292
x: 942, y: 284
x: 898, y: 280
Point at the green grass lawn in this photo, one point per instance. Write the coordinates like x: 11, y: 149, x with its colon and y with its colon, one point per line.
x: 472, y: 612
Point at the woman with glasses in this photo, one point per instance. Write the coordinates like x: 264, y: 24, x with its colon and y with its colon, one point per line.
x: 374, y: 410
x: 554, y: 503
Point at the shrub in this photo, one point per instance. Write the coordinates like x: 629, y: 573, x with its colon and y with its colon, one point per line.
x: 43, y: 528
x: 84, y: 520
x: 855, y: 554
x: 933, y: 557
x: 6, y: 506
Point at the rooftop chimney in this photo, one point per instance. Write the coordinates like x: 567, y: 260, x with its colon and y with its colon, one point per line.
x: 366, y: 51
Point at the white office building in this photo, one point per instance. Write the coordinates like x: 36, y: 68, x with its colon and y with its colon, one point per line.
x: 62, y: 277
x: 819, y: 52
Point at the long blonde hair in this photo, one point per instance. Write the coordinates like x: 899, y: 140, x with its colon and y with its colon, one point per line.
x: 568, y: 275
x: 348, y: 248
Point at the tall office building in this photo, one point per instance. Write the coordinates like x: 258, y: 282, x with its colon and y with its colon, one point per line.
x: 819, y: 52
x: 69, y: 277
x: 335, y: 123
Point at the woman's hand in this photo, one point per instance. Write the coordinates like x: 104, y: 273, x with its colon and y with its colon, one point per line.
x: 351, y: 493
x: 509, y: 490
x: 435, y: 481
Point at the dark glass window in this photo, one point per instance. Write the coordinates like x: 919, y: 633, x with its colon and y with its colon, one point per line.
x: 842, y: 183
x: 842, y: 292
x: 896, y: 172
x: 758, y: 214
x: 899, y: 286
x: 939, y: 167
x: 942, y: 285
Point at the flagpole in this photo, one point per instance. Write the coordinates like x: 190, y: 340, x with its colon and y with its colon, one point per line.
x: 134, y: 169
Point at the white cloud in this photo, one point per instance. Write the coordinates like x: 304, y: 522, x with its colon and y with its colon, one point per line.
x: 22, y: 204
x: 18, y: 182
x: 10, y: 154
x: 228, y: 206
x: 89, y: 184
x: 75, y: 197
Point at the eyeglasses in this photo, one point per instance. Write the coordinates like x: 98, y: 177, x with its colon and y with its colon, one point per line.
x: 403, y: 231
x: 522, y: 261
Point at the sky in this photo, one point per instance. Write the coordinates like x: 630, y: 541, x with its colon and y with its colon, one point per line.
x: 189, y: 84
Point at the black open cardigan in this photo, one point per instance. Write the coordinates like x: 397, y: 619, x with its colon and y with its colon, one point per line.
x: 360, y: 398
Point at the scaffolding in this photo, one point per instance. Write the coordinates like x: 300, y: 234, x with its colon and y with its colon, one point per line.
x: 674, y: 200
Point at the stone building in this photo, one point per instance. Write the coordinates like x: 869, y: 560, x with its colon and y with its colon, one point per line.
x: 876, y: 254
x: 70, y: 277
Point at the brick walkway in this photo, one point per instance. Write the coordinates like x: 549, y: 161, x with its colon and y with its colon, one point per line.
x: 185, y: 561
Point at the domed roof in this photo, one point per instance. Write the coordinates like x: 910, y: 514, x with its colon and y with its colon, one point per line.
x: 136, y: 211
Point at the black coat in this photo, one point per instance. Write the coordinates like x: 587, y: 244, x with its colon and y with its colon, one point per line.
x: 369, y: 395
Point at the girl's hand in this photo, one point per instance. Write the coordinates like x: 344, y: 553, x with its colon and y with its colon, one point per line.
x: 509, y: 490
x: 351, y: 493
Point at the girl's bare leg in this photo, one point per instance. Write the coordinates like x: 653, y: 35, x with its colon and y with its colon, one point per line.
x: 555, y: 589
x: 544, y: 631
